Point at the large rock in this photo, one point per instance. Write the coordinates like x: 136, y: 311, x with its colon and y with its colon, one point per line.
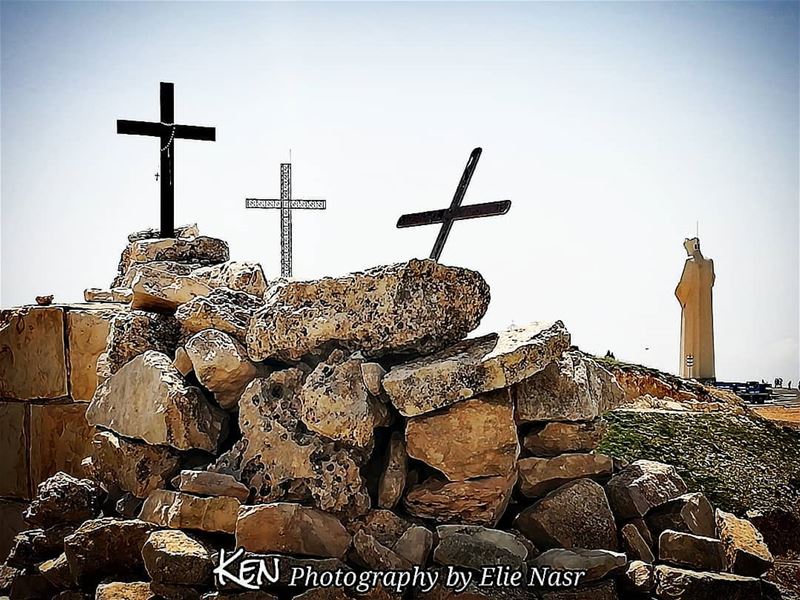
x: 106, y: 547
x: 163, y: 286
x: 639, y: 578
x: 34, y: 546
x: 679, y: 584
x: 595, y: 563
x: 415, y: 545
x: 474, y: 366
x: 178, y: 510
x: 87, y: 333
x: 57, y: 572
x: 474, y: 502
x: 418, y: 306
x: 690, y: 513
x: 14, y: 442
x: 475, y: 547
x: 132, y: 466
x: 554, y: 438
x: 221, y: 364
x: 393, y: 478
x: 641, y: 486
x: 62, y: 438
x: 207, y: 483
x: 64, y: 499
x: 694, y: 551
x: 574, y: 388
x: 174, y: 558
x: 634, y: 544
x: 134, y: 333
x: 576, y: 515
x: 336, y: 404
x: 473, y: 438
x: 291, y: 528
x: 223, y: 309
x: 123, y: 590
x: 149, y: 400
x: 745, y: 550
x: 32, y: 357
x: 537, y: 476
x: 245, y: 277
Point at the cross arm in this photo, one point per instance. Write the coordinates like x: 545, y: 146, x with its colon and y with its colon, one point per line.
x: 472, y: 211
x: 138, y: 127
x: 274, y: 203
x: 193, y: 132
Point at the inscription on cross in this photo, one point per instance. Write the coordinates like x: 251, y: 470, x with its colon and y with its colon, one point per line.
x: 286, y: 204
x: 455, y: 212
x: 167, y: 132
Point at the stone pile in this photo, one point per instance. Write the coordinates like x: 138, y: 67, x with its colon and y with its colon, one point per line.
x: 348, y: 423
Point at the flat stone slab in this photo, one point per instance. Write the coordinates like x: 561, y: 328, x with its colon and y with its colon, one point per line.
x: 178, y: 510
x: 537, y: 476
x: 475, y: 547
x: 673, y: 583
x: 641, y: 486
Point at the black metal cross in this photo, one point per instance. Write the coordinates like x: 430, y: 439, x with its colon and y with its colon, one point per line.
x: 167, y: 131
x: 455, y: 212
x: 286, y: 204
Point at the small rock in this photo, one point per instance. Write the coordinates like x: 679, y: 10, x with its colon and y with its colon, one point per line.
x: 137, y: 590
x: 223, y: 309
x: 641, y: 486
x: 415, y: 545
x: 596, y: 563
x: 679, y: 584
x: 245, y: 277
x: 538, y: 476
x: 745, y: 550
x: 554, y: 438
x: 474, y: 547
x: 56, y: 571
x: 29, y: 585
x: 690, y: 513
x: 44, y: 300
x: 372, y: 374
x: 174, y: 558
x: 291, y: 528
x: 36, y: 545
x: 693, y: 551
x: 178, y: 510
x: 206, y: 483
x: 635, y: 545
x: 128, y: 506
x: 163, y: 286
x: 638, y: 578
x: 395, y: 472
x: 182, y: 362
x: 64, y: 499
x: 371, y: 554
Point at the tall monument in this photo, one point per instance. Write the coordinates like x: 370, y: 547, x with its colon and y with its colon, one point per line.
x: 694, y: 292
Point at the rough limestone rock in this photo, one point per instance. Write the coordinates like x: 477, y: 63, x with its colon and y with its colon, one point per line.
x: 87, y: 332
x: 372, y: 374
x: 64, y: 499
x: 221, y: 364
x: 439, y: 305
x: 393, y: 478
x: 223, y: 309
x: 291, y: 528
x: 554, y: 438
x: 118, y: 590
x: 641, y: 486
x: 56, y: 572
x: 245, y: 277
x: 36, y: 545
x: 174, y: 558
x: 32, y: 359
x: 679, y: 584
x: 474, y: 502
x: 187, y: 231
x: 206, y: 483
x: 473, y: 438
x: 474, y: 547
x: 148, y: 399
x: 60, y: 438
x: 576, y: 515
x: 474, y: 366
x: 106, y: 547
x: 639, y: 578
x: 574, y: 388
x: 596, y: 563
x: 178, y: 510
x: 745, y: 550
x: 163, y: 286
x: 634, y: 544
x: 690, y: 513
x: 415, y: 545
x: 336, y: 404
x: 372, y: 554
x: 133, y: 333
x: 537, y: 476
x: 693, y: 551
x: 132, y: 466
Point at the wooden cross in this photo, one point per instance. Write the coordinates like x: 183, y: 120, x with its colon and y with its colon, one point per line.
x: 167, y: 132
x: 286, y: 204
x: 455, y: 212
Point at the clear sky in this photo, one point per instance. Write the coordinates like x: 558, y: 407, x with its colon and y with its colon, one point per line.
x: 613, y: 127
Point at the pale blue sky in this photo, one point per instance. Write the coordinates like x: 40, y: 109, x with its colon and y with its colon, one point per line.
x: 613, y: 128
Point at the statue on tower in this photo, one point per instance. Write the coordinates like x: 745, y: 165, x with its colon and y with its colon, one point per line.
x: 697, y: 317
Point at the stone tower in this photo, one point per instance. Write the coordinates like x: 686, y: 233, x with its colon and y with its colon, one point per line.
x: 694, y: 292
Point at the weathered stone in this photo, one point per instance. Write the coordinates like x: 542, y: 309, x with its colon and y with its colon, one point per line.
x: 134, y: 333
x: 182, y: 362
x: 106, y: 547
x: 14, y: 442
x: 576, y: 515
x: 172, y: 557
x: 474, y: 366
x: 30, y: 585
x: 574, y: 388
x: 538, y: 476
x: 178, y: 510
x: 690, y: 513
x: 596, y: 563
x: 238, y: 276
x: 415, y: 545
x: 693, y: 551
x: 745, y: 550
x: 635, y: 546
x: 372, y: 554
x: 36, y: 545
x: 552, y: 439
x: 62, y: 438
x: 473, y: 438
x: 134, y: 590
x: 97, y: 295
x: 223, y: 309
x: 221, y: 365
x: 11, y: 523
x: 474, y: 547
x: 372, y: 374
x: 187, y: 231
x: 72, y: 595
x: 64, y: 499
x: 641, y: 526
x: 641, y: 486
x: 128, y: 506
x: 474, y: 502
x: 168, y: 591
x: 32, y: 356
x: 57, y: 572
x: 679, y: 584
x: 87, y: 333
x: 336, y: 404
x: 163, y: 286
x: 148, y: 399
x: 291, y: 528
x: 439, y: 305
x: 207, y: 483
x: 386, y: 526
x: 638, y: 578
x: 393, y: 478
x: 132, y: 466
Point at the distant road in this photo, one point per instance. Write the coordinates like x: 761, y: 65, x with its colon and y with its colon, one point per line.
x: 785, y: 397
